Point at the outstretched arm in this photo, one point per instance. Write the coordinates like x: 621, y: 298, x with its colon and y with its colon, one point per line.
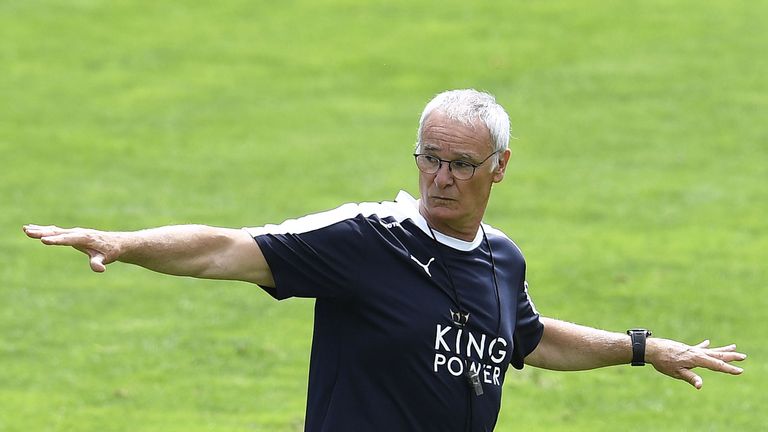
x: 183, y: 250
x: 567, y: 346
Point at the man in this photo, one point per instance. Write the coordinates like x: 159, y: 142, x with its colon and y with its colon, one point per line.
x: 420, y: 306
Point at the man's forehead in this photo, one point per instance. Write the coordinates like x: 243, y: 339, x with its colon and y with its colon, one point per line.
x: 444, y: 134
x: 441, y: 119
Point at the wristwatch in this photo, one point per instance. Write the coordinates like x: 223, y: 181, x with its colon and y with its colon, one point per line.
x: 638, y: 345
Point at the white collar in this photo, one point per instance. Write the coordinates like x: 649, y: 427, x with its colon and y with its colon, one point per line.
x: 411, y: 207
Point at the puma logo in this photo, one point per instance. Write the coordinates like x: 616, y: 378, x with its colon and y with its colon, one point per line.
x: 424, y: 266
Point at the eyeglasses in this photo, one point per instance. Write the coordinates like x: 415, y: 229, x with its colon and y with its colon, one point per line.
x: 461, y: 170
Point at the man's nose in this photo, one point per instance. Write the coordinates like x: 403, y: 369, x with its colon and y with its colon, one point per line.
x: 443, y: 176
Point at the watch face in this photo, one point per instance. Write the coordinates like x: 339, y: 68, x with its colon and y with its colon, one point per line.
x: 638, y: 330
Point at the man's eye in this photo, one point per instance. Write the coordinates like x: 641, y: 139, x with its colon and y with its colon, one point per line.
x: 461, y: 165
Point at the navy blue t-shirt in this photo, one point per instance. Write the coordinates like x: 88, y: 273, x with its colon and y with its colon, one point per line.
x: 389, y: 352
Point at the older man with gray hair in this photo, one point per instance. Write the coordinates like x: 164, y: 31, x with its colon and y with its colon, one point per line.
x: 420, y: 306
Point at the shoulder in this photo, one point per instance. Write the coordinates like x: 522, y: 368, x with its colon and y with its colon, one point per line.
x: 385, y: 212
x: 501, y: 242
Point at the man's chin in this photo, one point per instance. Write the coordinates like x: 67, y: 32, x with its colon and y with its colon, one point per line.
x: 442, y: 210
x: 437, y: 209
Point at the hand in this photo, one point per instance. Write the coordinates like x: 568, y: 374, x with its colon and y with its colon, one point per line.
x: 676, y: 359
x: 101, y: 247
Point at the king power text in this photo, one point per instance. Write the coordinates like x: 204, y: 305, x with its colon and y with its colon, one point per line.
x: 486, y: 354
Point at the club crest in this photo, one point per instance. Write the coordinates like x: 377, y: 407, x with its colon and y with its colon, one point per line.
x: 459, y: 318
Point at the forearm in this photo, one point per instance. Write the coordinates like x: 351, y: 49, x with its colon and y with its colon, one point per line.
x: 182, y: 250
x: 567, y: 346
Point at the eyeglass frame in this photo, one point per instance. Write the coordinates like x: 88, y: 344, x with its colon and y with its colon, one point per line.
x: 474, y: 166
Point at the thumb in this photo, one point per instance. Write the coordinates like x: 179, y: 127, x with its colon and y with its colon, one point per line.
x: 692, y: 378
x: 97, y: 261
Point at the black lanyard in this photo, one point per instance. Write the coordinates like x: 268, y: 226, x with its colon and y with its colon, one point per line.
x: 461, y: 318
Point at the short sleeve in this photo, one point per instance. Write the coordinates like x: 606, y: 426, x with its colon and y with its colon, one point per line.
x: 528, y: 328
x: 323, y: 262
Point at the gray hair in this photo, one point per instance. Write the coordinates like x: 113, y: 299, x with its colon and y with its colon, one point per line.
x: 468, y: 106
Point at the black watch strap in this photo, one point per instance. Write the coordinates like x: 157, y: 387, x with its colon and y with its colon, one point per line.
x: 638, y: 337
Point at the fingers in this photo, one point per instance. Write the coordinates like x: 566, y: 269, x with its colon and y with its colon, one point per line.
x: 716, y: 359
x: 38, y: 231
x: 727, y: 356
x: 703, y: 344
x: 731, y: 347
x: 678, y: 360
x: 65, y: 239
x: 722, y: 366
x: 725, y: 353
x: 80, y: 239
x: 719, y: 361
x: 53, y: 235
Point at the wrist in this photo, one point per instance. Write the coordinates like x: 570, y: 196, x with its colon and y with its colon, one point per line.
x: 652, y: 350
x: 124, y: 245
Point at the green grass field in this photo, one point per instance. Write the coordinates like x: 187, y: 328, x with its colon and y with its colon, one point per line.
x: 638, y: 190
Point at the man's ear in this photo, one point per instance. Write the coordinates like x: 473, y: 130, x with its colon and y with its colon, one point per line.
x: 498, y: 174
